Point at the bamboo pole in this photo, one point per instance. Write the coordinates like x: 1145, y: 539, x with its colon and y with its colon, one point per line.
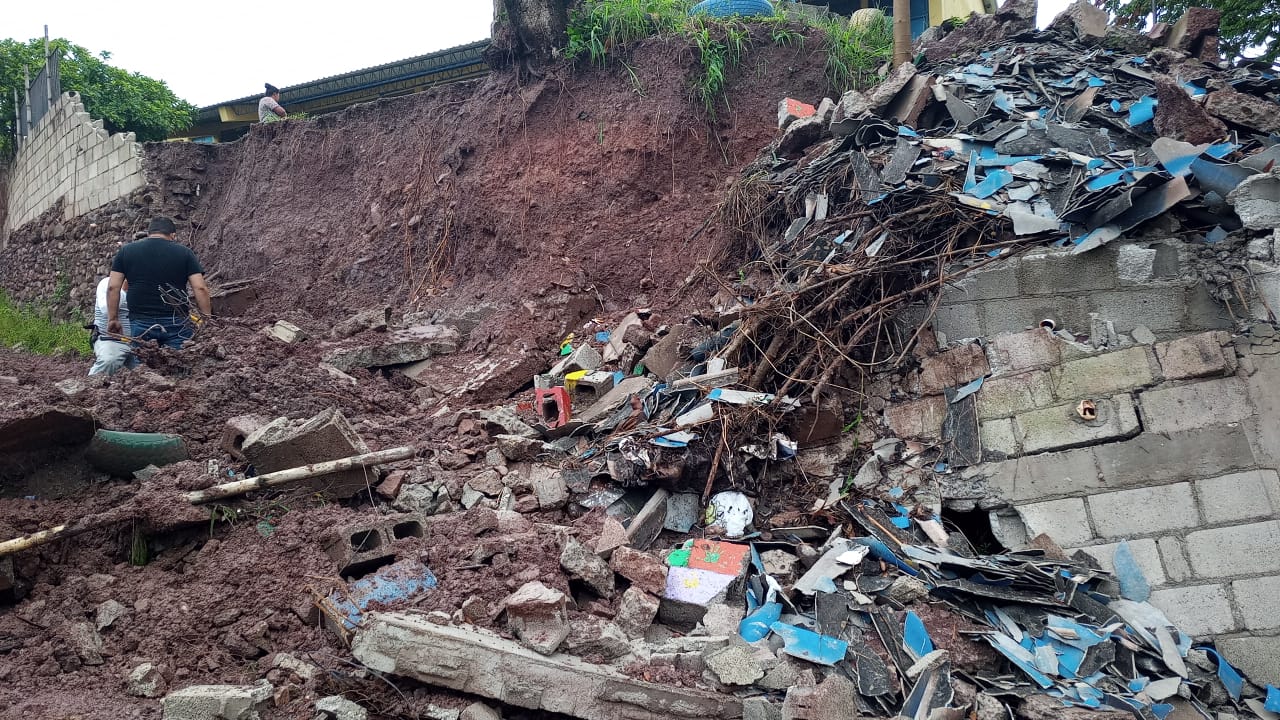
x: 217, y: 492
x: 284, y: 477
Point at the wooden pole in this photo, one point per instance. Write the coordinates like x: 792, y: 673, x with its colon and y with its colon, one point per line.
x: 283, y: 477
x: 901, y: 32
x: 218, y: 492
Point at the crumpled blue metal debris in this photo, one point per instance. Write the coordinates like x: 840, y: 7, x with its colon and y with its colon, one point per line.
x: 1231, y: 679
x: 397, y: 581
x: 809, y: 645
x: 1142, y: 111
x: 915, y: 638
x: 758, y: 624
x: 1272, y: 702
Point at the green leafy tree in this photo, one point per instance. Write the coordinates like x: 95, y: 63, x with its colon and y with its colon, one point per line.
x: 124, y: 101
x: 1250, y: 28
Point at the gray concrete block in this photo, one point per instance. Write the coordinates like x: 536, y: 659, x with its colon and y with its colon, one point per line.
x: 920, y: 418
x: 1199, y: 610
x: 1011, y: 394
x: 1047, y: 475
x: 1060, y: 427
x: 1061, y: 273
x: 1104, y: 374
x: 1155, y: 306
x: 1063, y: 520
x: 1017, y: 314
x: 1239, y: 496
x: 1135, y: 264
x: 994, y: 282
x: 1142, y: 511
x: 958, y: 321
x: 1174, y: 558
x: 1201, y: 355
x: 998, y: 438
x: 1259, y: 602
x: 1257, y: 657
x: 1202, y: 404
x: 1237, y: 550
x: 1152, y: 458
x: 1144, y: 551
x: 217, y: 702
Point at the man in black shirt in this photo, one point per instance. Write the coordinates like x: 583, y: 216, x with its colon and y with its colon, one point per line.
x: 158, y: 270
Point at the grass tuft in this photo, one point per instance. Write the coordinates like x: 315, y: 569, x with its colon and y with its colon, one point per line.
x: 35, y: 330
x: 602, y: 29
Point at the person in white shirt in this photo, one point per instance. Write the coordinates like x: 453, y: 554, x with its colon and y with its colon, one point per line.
x: 269, y: 109
x: 110, y: 353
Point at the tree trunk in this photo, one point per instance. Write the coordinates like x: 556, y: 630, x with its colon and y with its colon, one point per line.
x: 529, y: 31
x: 901, y: 32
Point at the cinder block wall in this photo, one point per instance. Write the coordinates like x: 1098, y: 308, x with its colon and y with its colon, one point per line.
x: 70, y: 157
x: 1181, y: 459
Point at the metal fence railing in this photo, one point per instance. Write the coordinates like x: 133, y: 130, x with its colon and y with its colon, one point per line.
x: 40, y: 94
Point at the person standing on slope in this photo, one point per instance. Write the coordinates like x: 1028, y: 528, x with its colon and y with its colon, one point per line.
x: 158, y: 271
x: 269, y: 109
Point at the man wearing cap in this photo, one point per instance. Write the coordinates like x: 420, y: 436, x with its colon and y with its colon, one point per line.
x: 269, y: 109
x: 158, y: 271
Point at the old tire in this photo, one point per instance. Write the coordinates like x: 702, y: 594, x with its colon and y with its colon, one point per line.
x: 123, y: 453
x: 728, y: 8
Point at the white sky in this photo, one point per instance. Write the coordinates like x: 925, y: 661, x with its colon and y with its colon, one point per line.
x: 217, y: 52
x: 212, y: 52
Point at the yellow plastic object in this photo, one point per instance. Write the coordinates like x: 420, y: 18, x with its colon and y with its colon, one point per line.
x: 571, y: 379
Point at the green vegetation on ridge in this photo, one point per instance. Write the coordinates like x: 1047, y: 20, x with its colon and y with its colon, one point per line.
x: 601, y: 29
x: 37, y: 332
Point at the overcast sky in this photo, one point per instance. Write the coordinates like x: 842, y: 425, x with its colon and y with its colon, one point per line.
x: 223, y: 51
x: 212, y: 52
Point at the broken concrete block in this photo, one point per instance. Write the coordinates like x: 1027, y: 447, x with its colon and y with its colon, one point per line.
x: 690, y: 591
x: 44, y: 427
x: 761, y: 708
x: 735, y: 664
x: 1204, y: 355
x: 584, y: 357
x: 645, y: 571
x: 636, y: 612
x: 723, y: 620
x: 336, y: 707
x: 1061, y: 426
x: 217, y: 702
x: 594, y: 637
x: 879, y: 96
x: 917, y: 418
x: 803, y: 133
x: 419, y: 498
x: 287, y: 332
x: 481, y: 663
x: 1196, y: 33
x: 518, y: 448
x: 645, y: 526
x: 504, y: 420
x: 399, y: 348
x: 592, y: 387
x: 237, y: 430
x: 833, y: 698
x: 1181, y: 118
x: 613, y: 399
x: 86, y: 642
x: 537, y: 616
x: 479, y: 711
x: 360, y: 548
x: 663, y: 357
x: 612, y: 536
x: 107, y: 613
x: 1245, y: 110
x: 952, y: 368
x: 906, y: 590
x: 846, y: 116
x: 145, y: 681
x: 1082, y: 19
x: 1257, y: 201
x: 583, y: 564
x: 327, y: 436
x: 790, y: 110
x: 549, y: 486
x: 364, y: 320
x: 781, y: 565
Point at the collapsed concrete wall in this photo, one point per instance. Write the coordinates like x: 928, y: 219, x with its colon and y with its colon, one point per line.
x: 1156, y: 428
x: 70, y: 158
